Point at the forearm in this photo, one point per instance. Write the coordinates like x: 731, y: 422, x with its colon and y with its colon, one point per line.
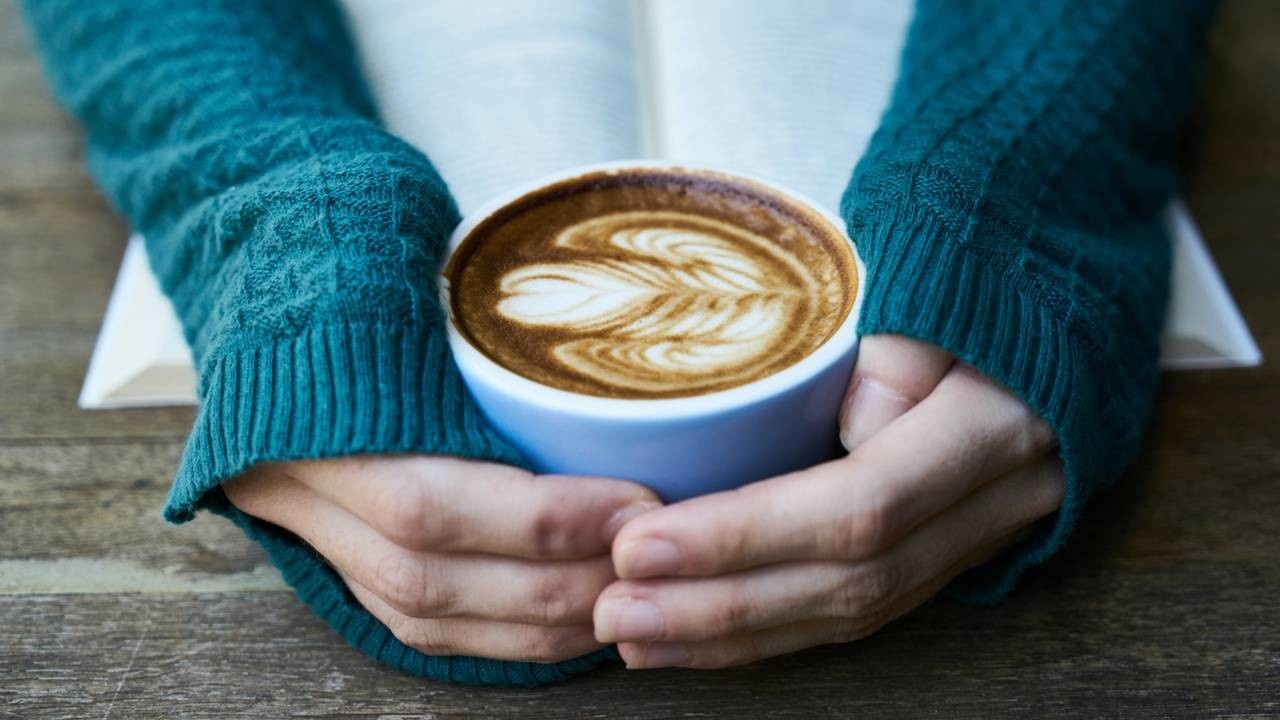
x: 1009, y: 209
x: 297, y: 239
x: 298, y: 242
x: 238, y: 138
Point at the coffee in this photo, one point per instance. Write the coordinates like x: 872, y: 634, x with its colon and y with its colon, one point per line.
x: 651, y: 283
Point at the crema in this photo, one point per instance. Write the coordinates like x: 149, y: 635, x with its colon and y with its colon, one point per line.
x: 651, y: 284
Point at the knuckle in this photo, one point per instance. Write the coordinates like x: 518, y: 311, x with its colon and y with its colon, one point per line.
x: 404, y: 582
x: 729, y: 545
x: 883, y: 582
x: 438, y: 599
x: 737, y: 542
x: 405, y: 509
x: 438, y: 596
x: 414, y: 516
x: 868, y: 587
x: 546, y: 644
x: 849, y: 600
x: 396, y: 578
x: 552, y: 601
x: 735, y: 613
x: 552, y: 531
x: 864, y: 532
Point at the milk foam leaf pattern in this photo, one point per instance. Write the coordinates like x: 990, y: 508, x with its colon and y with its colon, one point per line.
x: 653, y: 300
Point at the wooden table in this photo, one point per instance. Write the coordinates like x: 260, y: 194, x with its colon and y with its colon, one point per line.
x: 1167, y: 602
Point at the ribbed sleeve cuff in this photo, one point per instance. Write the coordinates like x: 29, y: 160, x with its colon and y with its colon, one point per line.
x: 337, y: 390
x: 334, y: 390
x: 924, y: 284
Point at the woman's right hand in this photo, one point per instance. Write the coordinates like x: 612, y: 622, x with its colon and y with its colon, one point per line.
x: 456, y: 557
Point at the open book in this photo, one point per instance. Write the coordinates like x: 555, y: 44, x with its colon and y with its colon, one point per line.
x: 507, y: 91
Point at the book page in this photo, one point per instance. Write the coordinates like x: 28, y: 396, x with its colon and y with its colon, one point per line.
x: 499, y: 93
x: 141, y: 357
x: 1204, y: 329
x: 790, y: 92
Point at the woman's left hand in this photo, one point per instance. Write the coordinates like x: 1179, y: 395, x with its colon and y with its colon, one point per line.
x: 946, y: 468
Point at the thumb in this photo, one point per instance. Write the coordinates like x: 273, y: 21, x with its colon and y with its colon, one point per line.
x: 893, y: 373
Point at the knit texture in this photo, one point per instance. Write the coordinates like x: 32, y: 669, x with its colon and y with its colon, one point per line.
x: 297, y: 240
x: 1008, y: 211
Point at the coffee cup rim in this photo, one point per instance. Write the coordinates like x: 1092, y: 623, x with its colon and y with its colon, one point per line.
x: 513, y: 384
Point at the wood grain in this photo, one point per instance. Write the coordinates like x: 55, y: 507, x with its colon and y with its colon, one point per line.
x: 86, y: 518
x: 60, y: 247
x: 1122, y: 643
x: 1165, y: 604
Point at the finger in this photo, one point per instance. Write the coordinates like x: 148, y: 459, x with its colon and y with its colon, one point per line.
x: 444, y: 504
x: 427, y: 584
x: 697, y: 609
x: 893, y: 374
x: 480, y: 638
x: 749, y: 647
x: 968, y: 431
x: 704, y: 608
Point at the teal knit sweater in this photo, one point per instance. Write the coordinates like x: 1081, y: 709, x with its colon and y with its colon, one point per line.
x: 1008, y: 210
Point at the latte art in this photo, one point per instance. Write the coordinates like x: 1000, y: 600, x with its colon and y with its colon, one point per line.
x: 650, y: 283
x: 663, y: 300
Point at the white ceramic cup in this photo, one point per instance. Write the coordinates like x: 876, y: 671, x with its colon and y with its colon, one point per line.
x: 679, y: 447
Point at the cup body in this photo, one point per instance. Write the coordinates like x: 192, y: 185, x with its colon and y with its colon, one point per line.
x: 679, y: 447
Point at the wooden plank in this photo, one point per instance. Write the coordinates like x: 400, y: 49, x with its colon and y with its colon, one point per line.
x: 40, y: 144
x: 1232, y: 165
x: 41, y: 370
x: 1113, y: 620
x: 1181, y: 503
x: 86, y: 518
x: 1199, y: 640
x: 1165, y: 603
x: 61, y: 248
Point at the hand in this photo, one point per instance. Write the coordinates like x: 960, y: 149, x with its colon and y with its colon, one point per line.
x: 946, y: 468
x: 456, y: 557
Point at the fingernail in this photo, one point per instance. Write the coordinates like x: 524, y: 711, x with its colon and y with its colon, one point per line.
x: 656, y: 655
x: 625, y: 515
x: 648, y: 558
x: 870, y: 408
x: 628, y: 620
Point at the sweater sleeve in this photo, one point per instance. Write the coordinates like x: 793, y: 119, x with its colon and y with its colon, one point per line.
x: 1009, y: 209
x: 297, y: 241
